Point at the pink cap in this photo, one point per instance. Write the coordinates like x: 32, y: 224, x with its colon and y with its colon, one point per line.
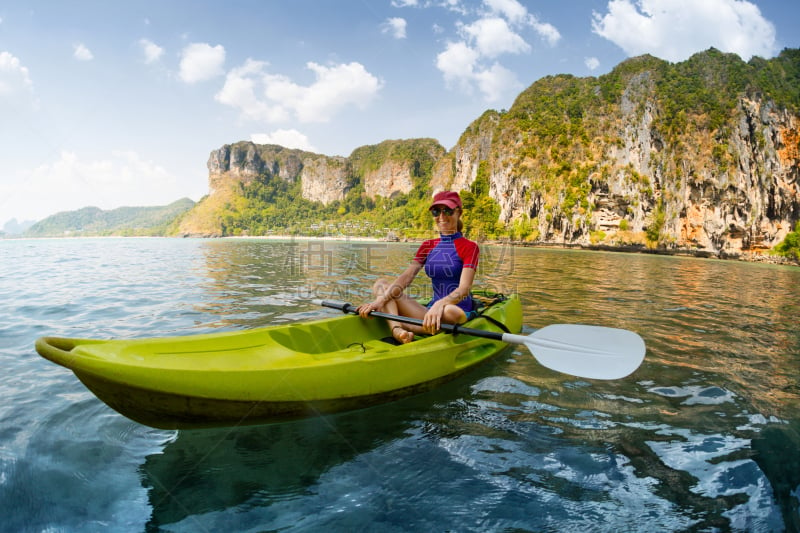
x: 447, y: 198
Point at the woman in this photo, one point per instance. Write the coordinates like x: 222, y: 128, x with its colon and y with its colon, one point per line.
x: 450, y: 261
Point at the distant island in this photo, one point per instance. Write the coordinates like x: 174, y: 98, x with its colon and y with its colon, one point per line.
x: 123, y: 221
x: 16, y: 227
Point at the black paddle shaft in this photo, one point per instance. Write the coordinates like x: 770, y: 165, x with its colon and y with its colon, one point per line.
x: 450, y: 328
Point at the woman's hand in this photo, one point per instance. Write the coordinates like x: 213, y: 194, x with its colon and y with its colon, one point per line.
x: 432, y: 321
x: 365, y: 309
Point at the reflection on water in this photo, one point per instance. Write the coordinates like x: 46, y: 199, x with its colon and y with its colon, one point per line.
x: 253, y: 283
x: 252, y: 469
x: 704, y: 436
x: 208, y: 471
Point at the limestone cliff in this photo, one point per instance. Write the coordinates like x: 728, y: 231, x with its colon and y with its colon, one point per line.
x: 245, y: 162
x: 701, y: 156
x: 474, y: 146
x: 627, y: 160
x: 236, y: 171
x: 396, y: 167
x: 325, y: 179
x: 230, y: 169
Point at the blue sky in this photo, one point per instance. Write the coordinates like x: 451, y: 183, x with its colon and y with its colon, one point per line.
x: 120, y: 103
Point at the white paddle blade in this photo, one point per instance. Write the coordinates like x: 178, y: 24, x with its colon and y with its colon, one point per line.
x: 592, y: 352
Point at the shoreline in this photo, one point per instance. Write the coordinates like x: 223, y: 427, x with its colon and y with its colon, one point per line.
x: 747, y: 257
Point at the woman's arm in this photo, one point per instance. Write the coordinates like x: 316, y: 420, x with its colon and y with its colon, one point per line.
x: 464, y: 287
x: 392, y: 291
x: 397, y: 287
x: 433, y: 318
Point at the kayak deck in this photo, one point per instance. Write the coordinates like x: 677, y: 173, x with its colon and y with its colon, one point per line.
x: 272, y: 373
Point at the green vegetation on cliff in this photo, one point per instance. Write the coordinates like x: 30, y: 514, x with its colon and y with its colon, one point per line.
x: 277, y: 207
x: 790, y: 246
x: 273, y: 205
x: 421, y: 153
x: 268, y: 205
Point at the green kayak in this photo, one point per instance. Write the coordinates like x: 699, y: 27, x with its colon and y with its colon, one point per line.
x: 273, y: 373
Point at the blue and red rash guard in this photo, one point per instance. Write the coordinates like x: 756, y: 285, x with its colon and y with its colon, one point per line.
x: 444, y: 259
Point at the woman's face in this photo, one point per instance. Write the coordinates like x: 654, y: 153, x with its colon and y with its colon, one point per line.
x: 446, y: 224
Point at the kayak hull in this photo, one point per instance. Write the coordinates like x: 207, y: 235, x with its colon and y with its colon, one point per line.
x: 164, y: 410
x: 274, y: 373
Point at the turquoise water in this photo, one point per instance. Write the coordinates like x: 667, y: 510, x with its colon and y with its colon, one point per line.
x: 705, y: 436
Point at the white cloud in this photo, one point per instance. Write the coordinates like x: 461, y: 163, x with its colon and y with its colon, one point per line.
x: 287, y: 138
x: 676, y: 29
x: 511, y: 9
x: 152, y: 52
x: 453, y: 5
x: 461, y: 67
x: 546, y: 31
x: 395, y: 26
x: 474, y: 61
x: 591, y: 63
x: 494, y: 37
x: 405, y: 3
x: 262, y: 96
x: 123, y: 178
x: 201, y: 61
x: 239, y: 92
x: 518, y: 16
x: 496, y: 81
x: 14, y: 77
x: 334, y: 88
x: 82, y: 53
x: 457, y: 63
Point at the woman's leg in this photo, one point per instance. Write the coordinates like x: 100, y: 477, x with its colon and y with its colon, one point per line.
x: 453, y: 314
x: 403, y: 306
x: 407, y: 306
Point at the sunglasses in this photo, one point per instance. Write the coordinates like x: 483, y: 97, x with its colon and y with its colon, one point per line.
x: 436, y: 211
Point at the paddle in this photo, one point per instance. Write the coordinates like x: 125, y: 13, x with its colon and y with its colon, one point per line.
x: 593, y: 352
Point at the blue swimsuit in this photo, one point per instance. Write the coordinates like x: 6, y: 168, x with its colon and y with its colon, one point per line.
x: 444, y: 259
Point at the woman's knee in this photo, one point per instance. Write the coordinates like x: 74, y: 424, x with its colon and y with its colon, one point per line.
x: 380, y: 286
x: 453, y: 314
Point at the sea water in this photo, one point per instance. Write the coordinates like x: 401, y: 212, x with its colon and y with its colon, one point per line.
x: 704, y: 436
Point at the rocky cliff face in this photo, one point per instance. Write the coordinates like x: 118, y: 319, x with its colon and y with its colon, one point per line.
x: 749, y: 200
x: 627, y: 176
x: 390, y: 178
x: 245, y: 162
x: 385, y: 170
x: 396, y: 167
x: 235, y: 166
x: 474, y: 146
x: 701, y: 156
x: 325, y: 179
